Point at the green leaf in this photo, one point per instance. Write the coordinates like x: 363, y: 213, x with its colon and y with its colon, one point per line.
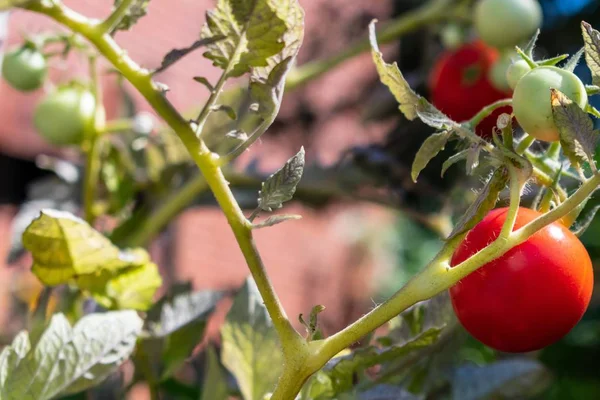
x: 343, y: 369
x: 251, y: 349
x: 137, y: 10
x: 12, y: 355
x: 591, y: 39
x: 390, y: 75
x: 574, y: 60
x: 281, y: 186
x: 276, y: 219
x: 64, y: 246
x: 553, y: 60
x: 517, y: 378
x: 128, y: 288
x: 584, y: 223
x: 577, y: 136
x: 253, y: 31
x: 175, y: 325
x: 484, y: 203
x: 461, y: 155
x: 214, y: 385
x: 433, y: 117
x: 429, y: 149
x: 592, y: 90
x: 528, y: 50
x: 69, y: 360
x: 177, y: 54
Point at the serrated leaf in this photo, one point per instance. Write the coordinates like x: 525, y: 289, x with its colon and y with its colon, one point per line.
x: 574, y: 60
x: 127, y: 288
x: 592, y: 90
x: 584, y: 223
x: 276, y: 219
x: 12, y: 355
x: 390, y: 75
x: 253, y: 32
x: 577, y: 136
x: 137, y: 10
x: 281, y: 186
x: 484, y: 203
x: 251, y: 349
x: 591, y: 39
x: 343, y: 369
x: 553, y: 60
x: 214, y: 386
x: 69, y: 360
x: 513, y: 378
x: 177, y: 54
x: 433, y: 117
x: 64, y: 246
x: 428, y: 150
x: 175, y: 325
x: 461, y: 155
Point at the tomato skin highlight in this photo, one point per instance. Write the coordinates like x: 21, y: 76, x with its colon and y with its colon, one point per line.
x: 460, y: 85
x: 531, y: 296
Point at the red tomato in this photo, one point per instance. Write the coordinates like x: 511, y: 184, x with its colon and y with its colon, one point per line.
x: 531, y: 296
x: 460, y: 86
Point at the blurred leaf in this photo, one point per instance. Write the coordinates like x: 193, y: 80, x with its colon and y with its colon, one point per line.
x: 64, y: 246
x: 127, y: 288
x: 214, y: 386
x: 584, y: 223
x: 177, y: 54
x: 137, y: 10
x: 342, y: 369
x: 175, y: 325
x: 591, y: 38
x: 484, y: 203
x: 7, y: 4
x: 276, y: 219
x: 577, y: 135
x: 251, y: 349
x: 318, y: 387
x: 230, y: 112
x: 69, y: 360
x: 281, y: 186
x: 268, y: 93
x: 528, y: 50
x: 592, y: 90
x: 249, y: 40
x: 428, y: 150
x: 517, y: 378
x: 12, y: 355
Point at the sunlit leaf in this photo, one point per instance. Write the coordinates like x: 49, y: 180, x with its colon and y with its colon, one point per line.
x: 428, y: 150
x: 508, y: 379
x: 577, y: 135
x: 251, y: 349
x: 7, y: 4
x: 12, y: 355
x: 591, y: 38
x: 175, y: 325
x: 281, y: 186
x: 137, y: 10
x: 484, y: 203
x: 276, y: 219
x: 177, y: 54
x: 71, y: 359
x: 214, y: 386
x: 64, y: 246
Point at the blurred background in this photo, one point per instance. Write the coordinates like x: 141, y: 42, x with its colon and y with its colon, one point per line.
x: 366, y: 228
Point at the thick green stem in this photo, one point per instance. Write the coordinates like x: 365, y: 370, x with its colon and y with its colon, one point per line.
x: 141, y: 79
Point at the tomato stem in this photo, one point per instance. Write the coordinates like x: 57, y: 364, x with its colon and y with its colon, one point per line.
x: 487, y: 111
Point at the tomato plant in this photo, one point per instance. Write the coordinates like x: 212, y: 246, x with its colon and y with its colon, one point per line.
x: 531, y: 99
x: 531, y: 296
x: 461, y: 86
x: 515, y: 71
x: 507, y: 23
x: 24, y: 68
x: 66, y: 116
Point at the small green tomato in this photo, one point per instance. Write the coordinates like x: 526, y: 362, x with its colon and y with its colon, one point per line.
x: 516, y: 71
x: 24, y: 68
x: 507, y: 23
x: 66, y: 117
x: 531, y: 99
x: 497, y: 74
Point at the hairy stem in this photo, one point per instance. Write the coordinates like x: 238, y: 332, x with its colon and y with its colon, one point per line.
x: 115, y: 18
x: 488, y: 110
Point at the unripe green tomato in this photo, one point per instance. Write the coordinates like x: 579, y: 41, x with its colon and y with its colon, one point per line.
x: 531, y: 99
x: 24, y: 68
x: 497, y: 74
x: 66, y: 116
x: 507, y: 23
x: 516, y: 71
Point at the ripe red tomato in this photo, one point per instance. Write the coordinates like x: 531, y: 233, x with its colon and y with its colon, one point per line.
x: 460, y: 86
x: 531, y: 296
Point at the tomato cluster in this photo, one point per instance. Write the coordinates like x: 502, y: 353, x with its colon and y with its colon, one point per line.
x: 529, y: 297
x: 461, y: 86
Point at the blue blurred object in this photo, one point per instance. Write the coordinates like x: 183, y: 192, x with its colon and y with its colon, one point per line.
x: 555, y: 11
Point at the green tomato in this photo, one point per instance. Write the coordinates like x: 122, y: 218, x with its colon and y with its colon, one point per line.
x: 497, y: 74
x: 516, y: 71
x: 507, y: 23
x: 66, y: 117
x: 24, y: 68
x: 531, y: 99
